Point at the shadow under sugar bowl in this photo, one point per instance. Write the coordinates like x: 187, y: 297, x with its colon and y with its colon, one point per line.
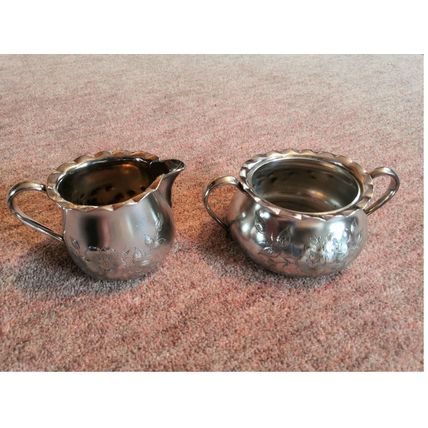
x: 117, y: 216
x: 302, y: 213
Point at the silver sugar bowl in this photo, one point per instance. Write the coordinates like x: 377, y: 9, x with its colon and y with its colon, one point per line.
x: 302, y: 213
x: 117, y: 216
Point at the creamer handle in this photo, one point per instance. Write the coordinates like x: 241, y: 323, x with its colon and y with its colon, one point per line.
x: 27, y: 186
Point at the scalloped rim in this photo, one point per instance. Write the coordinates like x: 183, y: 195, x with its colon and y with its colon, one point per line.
x: 58, y: 174
x: 356, y: 170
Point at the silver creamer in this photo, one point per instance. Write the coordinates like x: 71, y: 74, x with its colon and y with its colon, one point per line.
x: 117, y: 215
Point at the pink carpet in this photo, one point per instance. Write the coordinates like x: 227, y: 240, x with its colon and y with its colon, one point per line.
x: 208, y: 307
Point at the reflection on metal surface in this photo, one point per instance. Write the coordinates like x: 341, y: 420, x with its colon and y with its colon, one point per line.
x: 117, y: 216
x: 301, y: 213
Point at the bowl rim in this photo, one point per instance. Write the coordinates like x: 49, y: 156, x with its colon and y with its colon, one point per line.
x: 57, y: 175
x: 362, y: 177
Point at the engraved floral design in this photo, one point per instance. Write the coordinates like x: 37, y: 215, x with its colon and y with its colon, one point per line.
x: 107, y: 259
x: 275, y: 251
x: 322, y: 253
x: 102, y: 260
x: 331, y: 252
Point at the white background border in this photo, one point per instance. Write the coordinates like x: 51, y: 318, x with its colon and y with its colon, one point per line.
x: 213, y: 399
x: 220, y: 26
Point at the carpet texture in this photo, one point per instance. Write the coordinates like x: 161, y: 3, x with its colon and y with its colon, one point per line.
x: 208, y: 307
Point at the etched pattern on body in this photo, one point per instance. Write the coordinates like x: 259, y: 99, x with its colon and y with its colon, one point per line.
x: 276, y: 252
x: 135, y: 260
x: 323, y: 254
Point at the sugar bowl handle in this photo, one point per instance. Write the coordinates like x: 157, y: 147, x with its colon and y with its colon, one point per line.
x: 11, y: 203
x: 390, y: 192
x: 220, y: 181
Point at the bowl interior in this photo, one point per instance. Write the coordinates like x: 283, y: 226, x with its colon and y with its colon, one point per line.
x: 108, y: 181
x: 306, y: 185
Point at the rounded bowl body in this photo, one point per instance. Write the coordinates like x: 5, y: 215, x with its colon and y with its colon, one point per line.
x: 310, y: 246
x: 122, y: 244
x: 301, y: 213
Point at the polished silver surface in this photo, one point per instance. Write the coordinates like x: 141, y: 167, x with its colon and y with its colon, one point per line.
x: 117, y: 216
x: 301, y: 213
